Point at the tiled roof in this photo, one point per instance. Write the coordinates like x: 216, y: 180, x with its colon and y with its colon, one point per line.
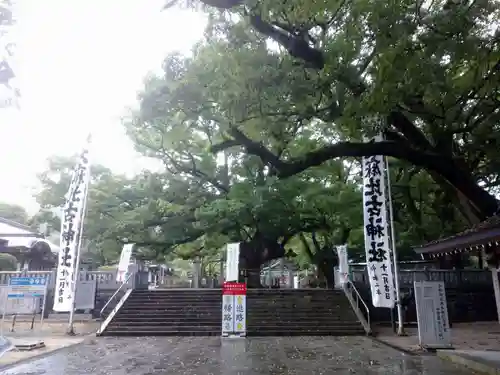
x: 479, y: 234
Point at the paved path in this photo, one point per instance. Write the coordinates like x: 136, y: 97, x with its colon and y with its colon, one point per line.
x: 253, y: 356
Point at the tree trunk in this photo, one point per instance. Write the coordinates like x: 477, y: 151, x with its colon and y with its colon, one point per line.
x: 253, y: 255
x: 327, y: 271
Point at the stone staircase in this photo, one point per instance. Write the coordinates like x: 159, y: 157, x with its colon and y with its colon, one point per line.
x: 168, y: 312
x: 300, y: 312
x: 270, y: 312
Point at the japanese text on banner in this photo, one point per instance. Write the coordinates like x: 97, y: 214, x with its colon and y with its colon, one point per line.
x: 378, y: 258
x: 234, y: 308
x: 227, y: 314
x: 72, y: 221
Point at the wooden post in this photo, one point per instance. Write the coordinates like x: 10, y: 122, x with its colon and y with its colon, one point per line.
x: 496, y: 288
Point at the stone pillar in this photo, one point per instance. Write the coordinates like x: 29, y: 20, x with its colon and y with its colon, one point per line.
x: 222, y: 276
x: 196, y: 273
x: 281, y: 269
x: 290, y: 279
x: 269, y: 275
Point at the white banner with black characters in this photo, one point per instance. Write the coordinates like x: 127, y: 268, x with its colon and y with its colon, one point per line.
x: 71, y: 225
x: 378, y: 256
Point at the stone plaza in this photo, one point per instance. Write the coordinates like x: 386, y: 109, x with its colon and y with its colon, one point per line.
x: 213, y: 355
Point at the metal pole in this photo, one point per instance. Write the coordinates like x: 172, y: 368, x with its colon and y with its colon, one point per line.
x: 400, y: 330
x: 71, y: 328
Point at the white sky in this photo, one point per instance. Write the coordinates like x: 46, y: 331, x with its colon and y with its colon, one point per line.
x: 79, y: 65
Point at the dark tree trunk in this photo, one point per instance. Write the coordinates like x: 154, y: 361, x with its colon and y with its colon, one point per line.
x: 253, y: 255
x: 327, y: 271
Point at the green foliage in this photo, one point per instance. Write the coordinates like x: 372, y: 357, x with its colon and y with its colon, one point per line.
x: 8, y: 262
x: 247, y: 108
x: 14, y: 212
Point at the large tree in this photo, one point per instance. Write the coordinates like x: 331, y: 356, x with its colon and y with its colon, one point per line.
x: 426, y: 74
x: 197, y: 106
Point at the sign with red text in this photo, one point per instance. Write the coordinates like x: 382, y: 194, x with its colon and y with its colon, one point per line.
x: 234, y: 309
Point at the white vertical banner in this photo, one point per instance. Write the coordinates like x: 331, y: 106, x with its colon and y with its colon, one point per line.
x: 343, y: 264
x: 240, y: 313
x: 124, y: 264
x: 73, y: 214
x: 376, y: 231
x: 227, y: 314
x: 232, y: 261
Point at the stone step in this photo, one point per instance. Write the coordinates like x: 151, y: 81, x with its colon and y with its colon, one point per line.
x: 172, y: 327
x: 170, y: 313
x: 163, y: 332
x: 154, y: 317
x: 310, y: 307
x: 280, y: 332
x: 162, y: 304
x: 300, y: 319
x: 179, y: 311
x: 181, y: 326
x: 194, y: 312
x: 295, y: 292
x: 159, y: 322
x: 301, y: 325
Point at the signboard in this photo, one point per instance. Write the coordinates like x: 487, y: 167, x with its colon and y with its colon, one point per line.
x: 23, y: 295
x: 85, y: 295
x: 27, y: 287
x: 234, y: 309
x: 232, y: 261
x: 376, y: 230
x: 123, y: 265
x: 432, y: 314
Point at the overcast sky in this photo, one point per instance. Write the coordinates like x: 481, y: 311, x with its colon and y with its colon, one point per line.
x: 80, y: 64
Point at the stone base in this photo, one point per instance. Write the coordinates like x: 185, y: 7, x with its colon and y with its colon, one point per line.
x: 27, y: 344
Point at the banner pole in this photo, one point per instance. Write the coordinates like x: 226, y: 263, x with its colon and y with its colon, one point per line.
x: 76, y: 273
x: 400, y: 331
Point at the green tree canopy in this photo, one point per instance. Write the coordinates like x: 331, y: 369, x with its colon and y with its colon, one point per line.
x: 426, y: 74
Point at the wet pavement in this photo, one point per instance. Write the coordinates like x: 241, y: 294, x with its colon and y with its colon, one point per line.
x: 255, y: 356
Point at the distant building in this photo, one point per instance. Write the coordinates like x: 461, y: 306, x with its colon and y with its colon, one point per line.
x: 32, y: 250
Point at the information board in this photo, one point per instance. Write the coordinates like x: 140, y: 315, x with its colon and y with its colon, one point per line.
x: 85, y: 295
x: 234, y: 309
x: 27, y: 287
x: 432, y: 314
x: 23, y: 296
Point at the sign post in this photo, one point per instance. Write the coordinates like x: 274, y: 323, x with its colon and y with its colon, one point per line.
x: 234, y: 310
x: 432, y: 314
x: 25, y: 287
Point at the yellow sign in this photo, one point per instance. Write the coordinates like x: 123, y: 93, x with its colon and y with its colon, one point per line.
x: 240, y: 300
x: 240, y: 326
